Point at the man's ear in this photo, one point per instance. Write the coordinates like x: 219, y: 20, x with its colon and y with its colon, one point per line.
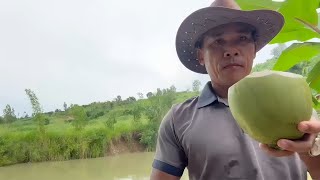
x: 255, y: 50
x: 200, y: 55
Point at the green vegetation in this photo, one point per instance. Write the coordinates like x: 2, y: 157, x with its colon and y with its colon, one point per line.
x: 301, y: 28
x: 85, y: 131
x: 8, y: 115
x: 302, y: 68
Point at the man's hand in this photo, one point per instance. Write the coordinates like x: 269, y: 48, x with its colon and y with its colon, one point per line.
x: 310, y: 128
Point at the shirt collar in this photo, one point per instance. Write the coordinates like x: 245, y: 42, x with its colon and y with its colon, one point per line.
x: 208, y: 97
x: 224, y: 101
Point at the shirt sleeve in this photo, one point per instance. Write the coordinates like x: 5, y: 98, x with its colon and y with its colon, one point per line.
x: 170, y: 156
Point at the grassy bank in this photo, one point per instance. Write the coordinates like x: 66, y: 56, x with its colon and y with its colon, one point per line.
x: 31, y: 146
x: 63, y: 139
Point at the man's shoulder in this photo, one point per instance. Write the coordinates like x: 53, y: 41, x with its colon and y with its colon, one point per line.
x: 188, y: 103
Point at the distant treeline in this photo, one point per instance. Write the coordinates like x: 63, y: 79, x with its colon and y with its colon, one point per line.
x: 85, y: 131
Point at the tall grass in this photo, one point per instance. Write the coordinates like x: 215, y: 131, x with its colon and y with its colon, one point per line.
x: 22, y: 142
x: 55, y: 145
x: 32, y: 147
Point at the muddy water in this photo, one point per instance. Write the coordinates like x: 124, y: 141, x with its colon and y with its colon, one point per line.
x: 134, y: 166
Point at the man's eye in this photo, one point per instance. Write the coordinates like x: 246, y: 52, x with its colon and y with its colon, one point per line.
x: 218, y: 41
x: 242, y: 38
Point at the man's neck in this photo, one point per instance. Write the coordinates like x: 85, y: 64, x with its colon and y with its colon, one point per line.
x: 221, y: 91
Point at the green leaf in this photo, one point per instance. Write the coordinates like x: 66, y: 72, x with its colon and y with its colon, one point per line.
x: 295, y: 54
x: 313, y: 27
x: 314, y: 77
x: 316, y: 103
x: 303, y: 9
x: 301, y: 34
x: 260, y: 4
x: 293, y: 29
x: 319, y: 19
x: 315, y: 72
x: 315, y: 84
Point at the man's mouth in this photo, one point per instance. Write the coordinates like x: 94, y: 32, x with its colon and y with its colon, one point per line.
x: 232, y: 65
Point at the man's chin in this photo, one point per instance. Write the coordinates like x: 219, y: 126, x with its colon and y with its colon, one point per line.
x: 235, y: 78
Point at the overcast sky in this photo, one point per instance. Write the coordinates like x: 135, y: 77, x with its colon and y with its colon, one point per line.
x: 81, y: 51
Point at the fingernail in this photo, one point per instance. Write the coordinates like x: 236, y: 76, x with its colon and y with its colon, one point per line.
x: 304, y: 127
x: 283, y: 144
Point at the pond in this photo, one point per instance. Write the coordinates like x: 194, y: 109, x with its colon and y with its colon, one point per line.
x: 133, y: 166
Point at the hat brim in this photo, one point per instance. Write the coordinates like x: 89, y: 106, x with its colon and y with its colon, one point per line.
x: 268, y: 24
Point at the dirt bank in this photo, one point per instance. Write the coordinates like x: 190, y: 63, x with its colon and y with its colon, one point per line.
x: 125, y: 145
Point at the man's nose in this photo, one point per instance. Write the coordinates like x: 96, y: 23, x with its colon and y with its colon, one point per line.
x: 231, y: 52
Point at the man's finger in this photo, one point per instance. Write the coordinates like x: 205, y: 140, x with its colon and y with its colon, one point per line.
x: 303, y: 145
x: 274, y: 152
x: 311, y: 127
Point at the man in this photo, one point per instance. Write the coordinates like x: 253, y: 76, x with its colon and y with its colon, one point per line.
x: 200, y: 134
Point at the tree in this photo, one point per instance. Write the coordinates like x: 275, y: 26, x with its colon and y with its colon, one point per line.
x: 164, y: 91
x: 8, y: 114
x: 149, y: 94
x: 276, y: 52
x: 196, y: 85
x: 80, y: 119
x: 159, y: 92
x: 111, y: 105
x: 25, y: 115
x: 118, y: 99
x: 135, y: 111
x: 131, y: 99
x: 158, y: 107
x: 1, y: 120
x: 140, y: 95
x: 267, y: 65
x: 65, y: 106
x: 40, y: 119
x: 300, y: 68
x: 37, y: 110
x: 34, y: 102
x: 172, y: 88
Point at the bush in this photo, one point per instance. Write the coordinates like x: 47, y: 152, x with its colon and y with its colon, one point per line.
x: 149, y: 136
x: 1, y: 120
x: 46, y: 121
x: 94, y: 114
x: 32, y: 147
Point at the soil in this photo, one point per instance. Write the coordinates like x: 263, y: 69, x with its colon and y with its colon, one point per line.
x: 123, y: 145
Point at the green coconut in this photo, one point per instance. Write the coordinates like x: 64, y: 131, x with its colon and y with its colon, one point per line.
x: 268, y: 105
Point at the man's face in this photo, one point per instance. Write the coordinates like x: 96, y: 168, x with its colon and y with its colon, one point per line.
x: 227, y: 53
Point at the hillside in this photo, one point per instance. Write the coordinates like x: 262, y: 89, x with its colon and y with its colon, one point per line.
x: 88, y: 131
x: 302, y: 68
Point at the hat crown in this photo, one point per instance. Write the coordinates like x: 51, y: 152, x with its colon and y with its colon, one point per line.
x: 231, y: 4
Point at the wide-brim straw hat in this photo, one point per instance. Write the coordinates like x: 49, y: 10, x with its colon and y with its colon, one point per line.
x: 267, y: 24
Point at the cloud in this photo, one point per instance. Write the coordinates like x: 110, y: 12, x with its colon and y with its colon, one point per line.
x: 80, y: 51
